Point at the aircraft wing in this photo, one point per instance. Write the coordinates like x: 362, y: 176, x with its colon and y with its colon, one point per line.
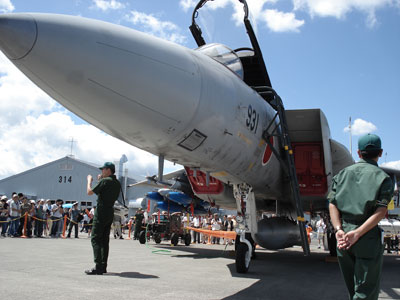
x: 152, y: 181
x: 392, y: 172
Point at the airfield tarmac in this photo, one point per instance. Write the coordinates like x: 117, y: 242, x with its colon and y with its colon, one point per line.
x: 53, y: 269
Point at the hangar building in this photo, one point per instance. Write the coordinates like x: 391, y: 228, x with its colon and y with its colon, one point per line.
x: 64, y: 178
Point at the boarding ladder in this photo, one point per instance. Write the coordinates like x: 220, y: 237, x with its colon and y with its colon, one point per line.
x: 287, y: 159
x: 256, y: 76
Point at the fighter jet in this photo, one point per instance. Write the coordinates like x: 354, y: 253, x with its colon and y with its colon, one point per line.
x: 210, y: 109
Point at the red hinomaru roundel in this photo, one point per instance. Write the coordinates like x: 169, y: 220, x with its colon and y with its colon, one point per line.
x: 268, y: 151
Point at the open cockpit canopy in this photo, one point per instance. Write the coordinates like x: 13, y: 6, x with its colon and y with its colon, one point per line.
x: 225, y: 56
x: 247, y: 63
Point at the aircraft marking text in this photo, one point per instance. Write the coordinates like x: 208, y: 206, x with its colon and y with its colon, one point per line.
x: 252, y: 119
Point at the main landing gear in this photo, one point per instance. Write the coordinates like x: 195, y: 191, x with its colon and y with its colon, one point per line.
x: 244, y: 254
x: 244, y: 243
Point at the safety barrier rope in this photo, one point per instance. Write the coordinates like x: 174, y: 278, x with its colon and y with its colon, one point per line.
x: 33, y: 217
x: 216, y: 233
x: 13, y: 219
x: 44, y: 220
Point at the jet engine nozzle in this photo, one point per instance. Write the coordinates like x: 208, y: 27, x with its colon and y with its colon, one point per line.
x: 18, y: 33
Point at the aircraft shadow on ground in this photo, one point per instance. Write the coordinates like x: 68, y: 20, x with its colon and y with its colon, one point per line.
x: 287, y: 274
x: 135, y: 275
x: 199, y: 253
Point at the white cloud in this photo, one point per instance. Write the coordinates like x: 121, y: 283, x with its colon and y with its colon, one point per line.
x: 38, y: 140
x: 280, y: 22
x: 186, y: 4
x: 275, y: 20
x: 19, y: 96
x: 6, y: 6
x: 256, y: 10
x: 340, y: 8
x: 35, y: 130
x: 392, y: 164
x: 152, y: 25
x: 105, y: 5
x: 360, y: 127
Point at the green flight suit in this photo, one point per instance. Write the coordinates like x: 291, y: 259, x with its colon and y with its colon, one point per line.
x: 357, y: 191
x: 107, y: 190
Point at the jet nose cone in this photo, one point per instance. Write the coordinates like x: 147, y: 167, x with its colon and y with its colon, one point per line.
x: 18, y: 33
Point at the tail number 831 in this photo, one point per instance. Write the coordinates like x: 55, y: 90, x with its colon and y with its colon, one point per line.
x: 252, y: 119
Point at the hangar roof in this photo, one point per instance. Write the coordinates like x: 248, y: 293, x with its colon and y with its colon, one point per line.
x: 88, y: 164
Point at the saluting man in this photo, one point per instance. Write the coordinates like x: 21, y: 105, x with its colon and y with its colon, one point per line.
x: 358, y: 201
x: 107, y: 191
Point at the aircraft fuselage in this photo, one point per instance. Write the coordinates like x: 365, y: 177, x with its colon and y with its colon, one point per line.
x: 153, y: 94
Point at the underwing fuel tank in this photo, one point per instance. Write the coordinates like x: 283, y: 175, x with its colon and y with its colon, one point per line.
x: 277, y: 233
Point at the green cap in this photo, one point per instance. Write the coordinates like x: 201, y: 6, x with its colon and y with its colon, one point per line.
x: 108, y: 165
x: 369, y: 142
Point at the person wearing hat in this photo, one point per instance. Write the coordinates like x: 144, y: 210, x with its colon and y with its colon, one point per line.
x: 74, y: 213
x: 107, y: 191
x: 40, y: 216
x: 26, y: 209
x: 56, y: 217
x: 15, y: 214
x: 358, y: 200
x: 3, y: 215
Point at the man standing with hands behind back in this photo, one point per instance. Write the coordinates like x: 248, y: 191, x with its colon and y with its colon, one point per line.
x: 107, y: 191
x: 358, y: 200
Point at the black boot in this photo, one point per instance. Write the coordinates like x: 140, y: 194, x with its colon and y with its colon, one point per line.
x: 95, y: 271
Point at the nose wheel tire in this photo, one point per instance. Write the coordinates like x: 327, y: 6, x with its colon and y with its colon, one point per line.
x: 188, y: 239
x: 142, y: 237
x: 242, y: 261
x: 250, y: 239
x: 157, y: 238
x: 174, y: 239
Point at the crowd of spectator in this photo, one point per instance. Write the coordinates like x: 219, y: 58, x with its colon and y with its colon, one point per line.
x: 20, y: 216
x: 209, y: 222
x: 212, y: 222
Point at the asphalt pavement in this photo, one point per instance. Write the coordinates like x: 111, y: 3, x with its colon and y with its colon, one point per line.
x: 54, y: 269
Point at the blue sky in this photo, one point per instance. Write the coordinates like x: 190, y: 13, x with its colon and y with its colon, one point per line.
x: 341, y: 56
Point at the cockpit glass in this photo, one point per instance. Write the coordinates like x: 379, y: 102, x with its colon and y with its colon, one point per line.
x: 225, y: 56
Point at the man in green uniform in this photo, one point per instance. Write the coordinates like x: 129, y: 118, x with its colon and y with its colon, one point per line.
x: 107, y: 190
x: 358, y: 201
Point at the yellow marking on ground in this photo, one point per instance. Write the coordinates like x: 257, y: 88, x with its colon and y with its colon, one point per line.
x: 244, y: 138
x: 261, y: 143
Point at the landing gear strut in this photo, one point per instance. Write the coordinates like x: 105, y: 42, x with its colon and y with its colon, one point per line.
x: 244, y: 244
